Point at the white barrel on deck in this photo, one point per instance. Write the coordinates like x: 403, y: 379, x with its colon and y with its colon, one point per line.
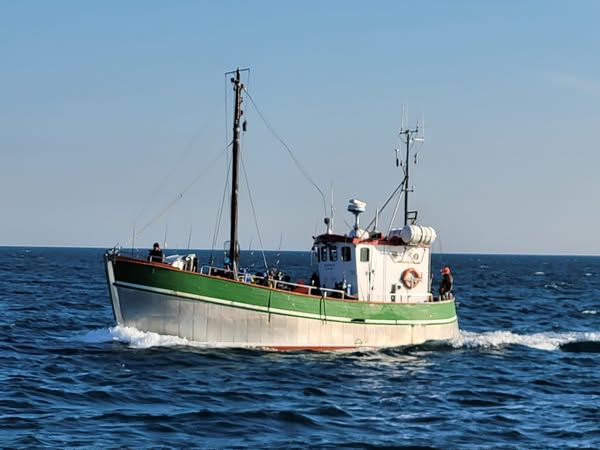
x: 417, y: 234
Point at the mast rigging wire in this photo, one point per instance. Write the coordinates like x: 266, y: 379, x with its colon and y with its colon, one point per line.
x: 289, y: 150
x: 168, y: 176
x: 178, y: 196
x: 386, y: 203
x: 418, y: 143
x: 220, y: 215
x: 254, y: 213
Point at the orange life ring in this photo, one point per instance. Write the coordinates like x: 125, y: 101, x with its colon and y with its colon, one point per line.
x: 410, y: 278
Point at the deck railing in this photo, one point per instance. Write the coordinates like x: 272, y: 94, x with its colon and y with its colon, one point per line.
x: 275, y: 283
x: 246, y: 277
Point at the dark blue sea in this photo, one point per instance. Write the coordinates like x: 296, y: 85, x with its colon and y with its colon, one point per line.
x: 525, y: 372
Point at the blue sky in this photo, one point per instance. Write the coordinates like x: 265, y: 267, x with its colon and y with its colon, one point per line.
x: 111, y: 109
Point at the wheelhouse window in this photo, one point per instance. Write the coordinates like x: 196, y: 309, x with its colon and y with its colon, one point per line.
x: 315, y: 254
x: 333, y: 254
x: 323, y: 253
x: 346, y: 254
x: 364, y: 254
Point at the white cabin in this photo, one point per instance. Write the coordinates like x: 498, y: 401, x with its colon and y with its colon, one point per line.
x: 377, y: 268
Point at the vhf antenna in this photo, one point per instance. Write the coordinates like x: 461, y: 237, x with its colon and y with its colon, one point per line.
x: 408, y: 136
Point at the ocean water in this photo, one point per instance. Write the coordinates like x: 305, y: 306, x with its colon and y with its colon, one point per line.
x: 525, y: 372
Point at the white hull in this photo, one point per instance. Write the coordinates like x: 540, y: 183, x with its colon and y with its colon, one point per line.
x: 227, y: 326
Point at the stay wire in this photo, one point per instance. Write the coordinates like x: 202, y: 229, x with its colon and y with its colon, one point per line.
x: 227, y: 141
x: 394, y: 213
x: 289, y: 150
x: 221, y: 208
x: 387, y: 202
x: 178, y: 196
x: 168, y: 176
x: 254, y: 214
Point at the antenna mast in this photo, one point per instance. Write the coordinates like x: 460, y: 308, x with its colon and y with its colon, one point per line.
x: 408, y: 136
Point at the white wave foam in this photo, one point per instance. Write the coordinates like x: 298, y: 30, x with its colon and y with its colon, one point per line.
x: 490, y: 339
x: 539, y: 273
x: 133, y: 337
x: 97, y: 336
x: 142, y: 339
x: 589, y: 311
x: 540, y: 341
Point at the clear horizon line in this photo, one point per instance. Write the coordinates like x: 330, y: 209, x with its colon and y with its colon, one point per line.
x: 296, y: 251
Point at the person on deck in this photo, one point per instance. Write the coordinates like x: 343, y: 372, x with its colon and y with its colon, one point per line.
x: 156, y: 254
x: 446, y: 284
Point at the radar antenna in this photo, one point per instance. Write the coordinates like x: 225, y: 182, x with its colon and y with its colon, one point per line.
x: 356, y: 207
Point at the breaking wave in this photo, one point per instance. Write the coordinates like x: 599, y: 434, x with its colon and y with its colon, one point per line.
x: 134, y: 338
x: 491, y: 339
x: 540, y: 341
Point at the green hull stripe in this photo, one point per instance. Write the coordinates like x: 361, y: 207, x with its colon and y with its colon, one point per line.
x: 285, y: 312
x: 163, y: 278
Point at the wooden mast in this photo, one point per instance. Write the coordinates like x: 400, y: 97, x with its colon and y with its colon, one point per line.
x: 234, y: 249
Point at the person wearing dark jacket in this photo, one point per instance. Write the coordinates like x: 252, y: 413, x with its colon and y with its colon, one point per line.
x: 446, y: 284
x: 156, y: 254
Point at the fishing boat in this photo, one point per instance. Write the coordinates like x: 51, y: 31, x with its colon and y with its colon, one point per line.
x: 369, y: 289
